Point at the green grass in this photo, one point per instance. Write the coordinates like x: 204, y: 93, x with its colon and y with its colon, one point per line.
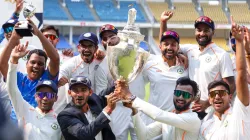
x: 147, y: 90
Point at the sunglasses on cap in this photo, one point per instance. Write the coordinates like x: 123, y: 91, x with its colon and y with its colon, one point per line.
x: 81, y: 80
x: 233, y: 41
x: 51, y: 37
x: 221, y: 93
x: 185, y: 94
x: 8, y: 30
x: 107, y: 27
x: 49, y: 95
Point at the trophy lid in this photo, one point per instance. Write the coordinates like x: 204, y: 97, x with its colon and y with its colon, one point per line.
x: 131, y: 30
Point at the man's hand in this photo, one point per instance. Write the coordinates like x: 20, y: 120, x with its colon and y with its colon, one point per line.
x: 99, y: 55
x: 19, y: 6
x: 14, y: 34
x: 200, y: 106
x: 68, y: 52
x: 237, y: 31
x: 62, y: 81
x: 166, y: 15
x: 122, y: 89
x: 111, y: 103
x: 35, y: 29
x: 18, y: 52
x: 247, y: 40
x: 183, y: 60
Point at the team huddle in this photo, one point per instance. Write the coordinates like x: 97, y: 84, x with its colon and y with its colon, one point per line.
x: 197, y: 91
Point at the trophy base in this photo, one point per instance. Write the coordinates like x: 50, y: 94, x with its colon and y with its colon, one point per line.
x: 24, y: 31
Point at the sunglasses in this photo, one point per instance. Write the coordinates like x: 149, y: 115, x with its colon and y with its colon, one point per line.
x: 51, y: 37
x: 185, y: 95
x: 233, y: 41
x: 221, y: 93
x: 82, y: 80
x: 8, y: 30
x: 49, y: 95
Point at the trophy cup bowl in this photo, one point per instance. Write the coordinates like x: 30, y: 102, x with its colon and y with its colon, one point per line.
x: 125, y: 60
x: 25, y: 29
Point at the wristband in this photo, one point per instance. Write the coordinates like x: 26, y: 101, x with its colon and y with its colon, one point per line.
x: 16, y: 14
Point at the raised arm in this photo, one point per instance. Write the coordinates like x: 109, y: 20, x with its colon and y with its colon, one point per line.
x: 15, y: 15
x: 49, y: 49
x: 144, y: 132
x: 20, y: 105
x: 241, y: 80
x: 5, y: 55
x: 247, y: 47
x: 165, y: 16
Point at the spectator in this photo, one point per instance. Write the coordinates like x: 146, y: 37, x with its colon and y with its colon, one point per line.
x: 84, y: 117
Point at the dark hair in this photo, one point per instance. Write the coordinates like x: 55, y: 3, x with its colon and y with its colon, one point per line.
x: 50, y: 27
x: 218, y: 83
x: 188, y: 81
x: 38, y: 52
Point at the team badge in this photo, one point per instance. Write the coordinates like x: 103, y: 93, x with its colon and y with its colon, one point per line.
x: 25, y: 58
x: 87, y: 35
x: 180, y: 70
x: 208, y: 59
x: 54, y: 126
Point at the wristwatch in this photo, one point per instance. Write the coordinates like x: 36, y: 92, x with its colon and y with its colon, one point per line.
x: 131, y: 98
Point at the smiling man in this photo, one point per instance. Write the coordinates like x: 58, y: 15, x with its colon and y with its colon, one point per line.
x: 162, y: 70
x: 87, y: 116
x: 207, y: 61
x: 230, y: 121
x: 84, y: 64
x: 38, y: 123
x: 35, y: 66
x: 180, y: 124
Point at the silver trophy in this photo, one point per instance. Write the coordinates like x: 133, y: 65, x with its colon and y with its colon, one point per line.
x: 24, y: 29
x: 125, y: 59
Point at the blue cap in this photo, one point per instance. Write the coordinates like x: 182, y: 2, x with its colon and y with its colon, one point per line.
x: 80, y: 80
x: 89, y: 37
x: 10, y: 23
x: 47, y: 83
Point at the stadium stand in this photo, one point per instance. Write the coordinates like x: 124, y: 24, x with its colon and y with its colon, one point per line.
x: 79, y: 10
x: 107, y: 11
x: 53, y: 11
x: 63, y: 43
x: 183, y: 13
x: 214, y: 12
x: 240, y: 12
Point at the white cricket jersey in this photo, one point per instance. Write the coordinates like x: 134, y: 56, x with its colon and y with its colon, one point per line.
x: 121, y: 116
x: 234, y: 124
x: 235, y: 72
x: 162, y: 80
x: 4, y: 97
x: 213, y: 63
x: 172, y: 126
x: 36, y: 125
x: 77, y: 67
